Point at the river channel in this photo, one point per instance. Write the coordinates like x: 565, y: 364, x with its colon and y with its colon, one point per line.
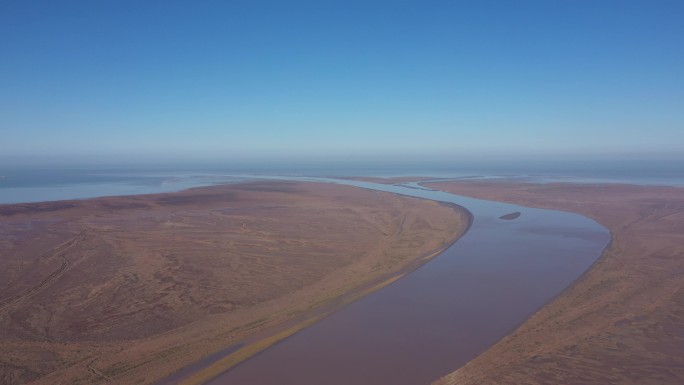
x: 443, y: 314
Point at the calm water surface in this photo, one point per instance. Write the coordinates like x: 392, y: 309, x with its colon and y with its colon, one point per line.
x: 50, y: 182
x: 21, y: 186
x: 411, y: 332
x: 445, y: 313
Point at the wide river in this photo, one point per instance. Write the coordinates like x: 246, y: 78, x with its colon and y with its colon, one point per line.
x: 445, y: 313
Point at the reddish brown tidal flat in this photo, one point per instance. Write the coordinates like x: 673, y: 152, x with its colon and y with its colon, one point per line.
x: 129, y: 289
x: 623, y: 321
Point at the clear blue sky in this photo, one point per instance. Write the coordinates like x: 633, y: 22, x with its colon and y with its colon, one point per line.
x: 252, y: 79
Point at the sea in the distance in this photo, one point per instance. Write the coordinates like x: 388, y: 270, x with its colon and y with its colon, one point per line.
x: 35, y: 183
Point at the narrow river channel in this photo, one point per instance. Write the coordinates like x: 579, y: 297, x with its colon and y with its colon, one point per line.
x: 445, y: 313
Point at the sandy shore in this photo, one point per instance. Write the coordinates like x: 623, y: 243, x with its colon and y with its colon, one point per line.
x: 130, y: 289
x: 620, y: 323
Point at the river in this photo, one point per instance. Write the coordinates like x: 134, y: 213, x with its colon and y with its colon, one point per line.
x: 445, y: 313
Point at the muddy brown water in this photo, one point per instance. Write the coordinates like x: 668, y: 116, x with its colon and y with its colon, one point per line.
x: 445, y: 313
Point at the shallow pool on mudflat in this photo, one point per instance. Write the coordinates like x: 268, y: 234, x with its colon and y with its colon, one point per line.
x: 445, y: 313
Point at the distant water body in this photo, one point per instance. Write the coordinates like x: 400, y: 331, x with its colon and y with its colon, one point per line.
x: 36, y: 184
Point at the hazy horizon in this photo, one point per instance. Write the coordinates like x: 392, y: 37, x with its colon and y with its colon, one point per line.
x: 304, y: 192
x: 127, y: 82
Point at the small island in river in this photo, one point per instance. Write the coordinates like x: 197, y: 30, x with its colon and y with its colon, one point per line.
x: 511, y: 216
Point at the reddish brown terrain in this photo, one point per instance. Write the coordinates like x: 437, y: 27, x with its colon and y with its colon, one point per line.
x: 129, y: 289
x: 620, y: 323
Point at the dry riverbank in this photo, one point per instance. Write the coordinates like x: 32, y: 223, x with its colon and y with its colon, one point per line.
x: 130, y: 289
x: 623, y: 321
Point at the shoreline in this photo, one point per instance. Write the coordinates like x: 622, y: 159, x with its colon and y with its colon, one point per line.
x: 323, y: 310
x: 252, y: 367
x: 253, y: 346
x: 539, y: 350
x: 123, y: 188
x: 192, y: 337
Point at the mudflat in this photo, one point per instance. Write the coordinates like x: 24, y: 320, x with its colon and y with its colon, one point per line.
x: 130, y: 289
x: 622, y: 322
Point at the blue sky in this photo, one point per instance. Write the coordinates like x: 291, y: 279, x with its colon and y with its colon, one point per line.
x: 214, y: 80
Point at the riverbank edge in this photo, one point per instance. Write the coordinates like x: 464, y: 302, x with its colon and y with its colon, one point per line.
x: 479, y: 370
x: 251, y: 345
x: 566, y: 290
